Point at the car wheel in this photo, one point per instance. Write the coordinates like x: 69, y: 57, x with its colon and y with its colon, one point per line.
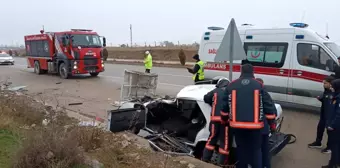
x: 94, y: 74
x: 63, y: 71
x: 12, y: 63
x: 37, y: 69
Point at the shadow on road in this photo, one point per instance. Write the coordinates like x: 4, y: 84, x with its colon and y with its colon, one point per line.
x: 299, y: 108
x: 77, y: 77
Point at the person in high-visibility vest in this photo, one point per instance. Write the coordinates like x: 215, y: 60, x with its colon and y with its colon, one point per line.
x: 198, y: 69
x: 147, y: 62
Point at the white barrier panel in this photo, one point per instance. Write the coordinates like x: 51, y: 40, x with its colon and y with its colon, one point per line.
x: 138, y: 84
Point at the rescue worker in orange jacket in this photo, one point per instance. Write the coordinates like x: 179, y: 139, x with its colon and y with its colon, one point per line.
x: 218, y: 131
x: 269, y: 127
x: 248, y: 106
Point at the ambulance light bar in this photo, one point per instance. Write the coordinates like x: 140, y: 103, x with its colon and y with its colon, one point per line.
x: 299, y: 25
x: 215, y: 28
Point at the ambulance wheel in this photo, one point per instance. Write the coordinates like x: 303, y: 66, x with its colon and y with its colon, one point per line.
x: 37, y: 69
x: 63, y: 71
x: 94, y: 74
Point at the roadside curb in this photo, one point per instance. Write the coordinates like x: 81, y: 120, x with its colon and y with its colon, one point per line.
x: 154, y: 61
x: 157, y: 63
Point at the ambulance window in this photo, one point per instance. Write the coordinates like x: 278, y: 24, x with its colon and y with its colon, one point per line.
x: 266, y: 54
x: 256, y: 53
x: 313, y: 56
x: 274, y: 54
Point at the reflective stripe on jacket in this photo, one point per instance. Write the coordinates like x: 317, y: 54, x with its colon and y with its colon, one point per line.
x: 200, y: 72
x: 247, y: 104
x: 148, y: 61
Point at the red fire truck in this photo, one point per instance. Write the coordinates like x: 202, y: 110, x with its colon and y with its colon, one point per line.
x: 78, y: 51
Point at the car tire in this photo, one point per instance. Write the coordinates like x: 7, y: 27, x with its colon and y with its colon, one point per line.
x: 37, y: 69
x: 94, y: 74
x: 63, y: 71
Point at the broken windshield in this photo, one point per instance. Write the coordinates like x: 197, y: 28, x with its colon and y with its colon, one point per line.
x: 335, y: 49
x: 86, y: 40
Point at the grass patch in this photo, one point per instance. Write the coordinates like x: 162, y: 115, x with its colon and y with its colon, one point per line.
x: 8, y: 147
x: 25, y: 142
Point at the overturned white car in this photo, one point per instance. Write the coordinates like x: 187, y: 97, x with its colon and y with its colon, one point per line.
x: 179, y: 125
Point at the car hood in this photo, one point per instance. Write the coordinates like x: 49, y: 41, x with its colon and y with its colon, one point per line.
x: 6, y: 58
x: 197, y: 92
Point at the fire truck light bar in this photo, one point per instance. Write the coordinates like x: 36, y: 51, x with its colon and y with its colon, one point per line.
x: 81, y: 30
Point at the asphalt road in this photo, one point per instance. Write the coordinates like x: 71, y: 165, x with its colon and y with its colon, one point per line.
x: 97, y: 93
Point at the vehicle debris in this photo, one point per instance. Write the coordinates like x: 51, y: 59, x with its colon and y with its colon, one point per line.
x: 17, y: 88
x: 177, y: 126
x: 73, y: 104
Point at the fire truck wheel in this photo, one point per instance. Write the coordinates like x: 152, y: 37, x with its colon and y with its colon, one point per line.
x: 63, y: 71
x: 37, y: 69
x: 94, y: 74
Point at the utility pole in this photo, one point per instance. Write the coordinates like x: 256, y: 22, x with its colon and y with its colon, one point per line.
x: 327, y: 30
x: 130, y: 35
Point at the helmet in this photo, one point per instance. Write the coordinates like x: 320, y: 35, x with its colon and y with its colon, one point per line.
x: 222, y: 82
x: 147, y: 52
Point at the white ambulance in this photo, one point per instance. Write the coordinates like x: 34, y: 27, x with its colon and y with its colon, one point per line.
x: 292, y: 61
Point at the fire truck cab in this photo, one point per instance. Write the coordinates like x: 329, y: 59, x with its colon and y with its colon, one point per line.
x: 78, y: 51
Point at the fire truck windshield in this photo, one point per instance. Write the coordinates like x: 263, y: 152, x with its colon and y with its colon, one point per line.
x: 86, y: 41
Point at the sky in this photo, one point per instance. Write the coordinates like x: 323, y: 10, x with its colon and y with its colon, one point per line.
x: 159, y: 20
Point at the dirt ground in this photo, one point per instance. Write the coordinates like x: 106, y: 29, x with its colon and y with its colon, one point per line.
x: 158, y: 53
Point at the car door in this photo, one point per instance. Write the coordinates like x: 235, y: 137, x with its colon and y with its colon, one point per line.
x: 311, y: 65
x: 124, y: 119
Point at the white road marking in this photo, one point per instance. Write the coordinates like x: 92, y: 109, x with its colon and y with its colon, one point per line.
x: 117, y: 77
x: 20, y: 65
x: 163, y: 74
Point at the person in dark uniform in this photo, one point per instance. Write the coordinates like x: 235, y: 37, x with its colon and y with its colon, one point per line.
x: 326, y: 109
x: 197, y: 70
x: 333, y: 126
x: 217, y: 127
x: 269, y: 127
x: 248, y: 106
x: 337, y: 71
